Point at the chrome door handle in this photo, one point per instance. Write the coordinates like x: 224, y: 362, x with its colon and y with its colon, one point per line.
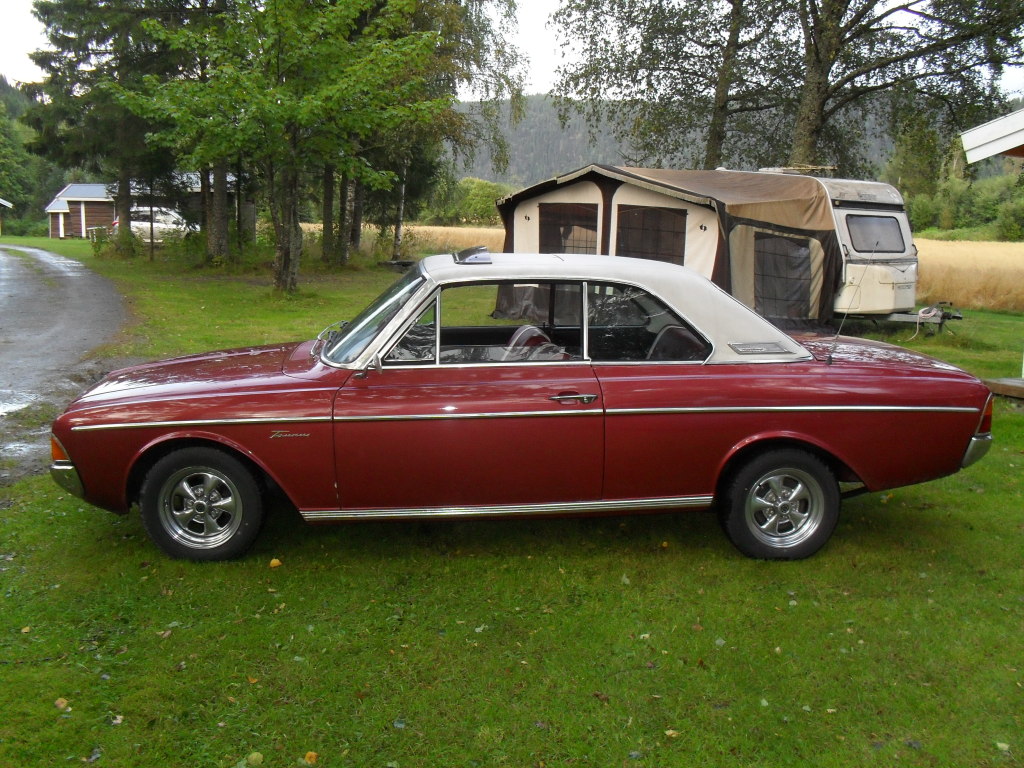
x: 568, y: 398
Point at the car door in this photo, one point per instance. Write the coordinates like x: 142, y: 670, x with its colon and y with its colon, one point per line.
x: 649, y: 362
x: 475, y: 408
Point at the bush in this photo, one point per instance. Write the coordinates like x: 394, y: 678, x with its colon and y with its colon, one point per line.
x: 1010, y: 220
x: 27, y: 227
x: 923, y: 211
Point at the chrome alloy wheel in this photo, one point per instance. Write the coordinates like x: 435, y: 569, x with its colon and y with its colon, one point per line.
x: 200, y: 507
x: 784, y: 507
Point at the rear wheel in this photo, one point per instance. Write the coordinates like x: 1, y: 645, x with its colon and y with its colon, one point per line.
x: 781, y: 505
x: 201, y: 504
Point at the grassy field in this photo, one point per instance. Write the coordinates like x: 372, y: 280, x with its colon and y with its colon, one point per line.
x: 613, y: 642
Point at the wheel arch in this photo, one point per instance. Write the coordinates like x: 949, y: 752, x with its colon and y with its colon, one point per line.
x: 154, y: 452
x: 746, y: 451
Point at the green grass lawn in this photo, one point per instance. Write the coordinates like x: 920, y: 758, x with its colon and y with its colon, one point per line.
x: 645, y: 641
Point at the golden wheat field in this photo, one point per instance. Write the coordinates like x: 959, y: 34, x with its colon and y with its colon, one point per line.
x: 444, y: 239
x: 979, y: 275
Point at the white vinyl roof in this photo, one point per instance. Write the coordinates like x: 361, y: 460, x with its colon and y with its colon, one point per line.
x: 722, y: 319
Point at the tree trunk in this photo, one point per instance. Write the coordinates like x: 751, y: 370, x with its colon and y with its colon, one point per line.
x: 355, y: 229
x: 123, y: 206
x: 329, y: 254
x: 810, y: 120
x: 344, y: 219
x: 723, y: 85
x: 217, y: 238
x: 823, y: 34
x: 396, y: 251
x: 284, y: 212
x: 206, y: 208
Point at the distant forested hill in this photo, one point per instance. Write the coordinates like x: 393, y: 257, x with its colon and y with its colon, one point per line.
x: 539, y: 147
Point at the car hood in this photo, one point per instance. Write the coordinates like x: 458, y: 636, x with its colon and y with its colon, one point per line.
x: 181, y: 376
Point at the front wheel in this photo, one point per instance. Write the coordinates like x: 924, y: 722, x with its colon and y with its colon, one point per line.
x: 781, y: 505
x: 201, y: 504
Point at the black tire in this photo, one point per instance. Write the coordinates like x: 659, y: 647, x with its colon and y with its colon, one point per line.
x: 201, y: 504
x: 781, y: 505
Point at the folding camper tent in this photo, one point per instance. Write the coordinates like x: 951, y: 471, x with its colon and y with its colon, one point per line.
x: 793, y: 247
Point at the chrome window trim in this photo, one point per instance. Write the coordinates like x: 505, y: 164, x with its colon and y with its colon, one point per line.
x: 201, y: 423
x: 506, y: 510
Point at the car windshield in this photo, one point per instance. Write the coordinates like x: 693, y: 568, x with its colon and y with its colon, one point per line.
x: 355, y: 336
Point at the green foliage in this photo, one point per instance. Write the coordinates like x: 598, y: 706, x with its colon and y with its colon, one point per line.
x: 468, y: 201
x: 1010, y: 220
x: 994, y: 205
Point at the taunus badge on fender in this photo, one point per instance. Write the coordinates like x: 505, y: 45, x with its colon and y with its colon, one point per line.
x: 279, y: 433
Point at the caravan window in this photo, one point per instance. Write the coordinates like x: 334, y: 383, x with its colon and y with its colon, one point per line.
x: 648, y: 232
x: 875, y: 234
x: 568, y: 228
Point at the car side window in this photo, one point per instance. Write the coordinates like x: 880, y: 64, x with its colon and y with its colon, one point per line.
x: 627, y: 324
x: 496, y: 322
x: 418, y: 346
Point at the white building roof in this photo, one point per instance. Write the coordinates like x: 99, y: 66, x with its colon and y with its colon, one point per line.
x: 78, y: 192
x: 1002, y: 136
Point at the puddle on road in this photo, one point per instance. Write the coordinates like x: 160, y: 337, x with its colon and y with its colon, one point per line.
x: 11, y: 401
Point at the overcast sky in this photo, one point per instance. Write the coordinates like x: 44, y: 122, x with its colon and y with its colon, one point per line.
x: 21, y: 33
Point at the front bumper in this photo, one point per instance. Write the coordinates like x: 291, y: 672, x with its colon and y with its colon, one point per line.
x: 66, y: 476
x: 977, y: 448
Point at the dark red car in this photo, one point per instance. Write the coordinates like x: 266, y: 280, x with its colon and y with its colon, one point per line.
x: 515, y: 386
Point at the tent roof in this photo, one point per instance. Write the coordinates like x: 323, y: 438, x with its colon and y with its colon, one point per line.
x: 788, y: 200
x: 1002, y: 136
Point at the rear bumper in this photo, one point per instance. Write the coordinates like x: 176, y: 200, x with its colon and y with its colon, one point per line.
x: 977, y: 448
x: 66, y: 476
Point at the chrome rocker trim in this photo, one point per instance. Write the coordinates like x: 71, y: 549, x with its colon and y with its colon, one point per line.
x: 508, y: 510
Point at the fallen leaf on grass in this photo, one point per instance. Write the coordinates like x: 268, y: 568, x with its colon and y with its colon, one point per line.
x: 311, y: 758
x: 26, y: 630
x: 604, y: 698
x: 672, y: 734
x: 275, y: 563
x: 62, y: 703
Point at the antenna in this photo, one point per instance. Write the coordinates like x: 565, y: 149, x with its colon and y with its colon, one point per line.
x: 846, y: 312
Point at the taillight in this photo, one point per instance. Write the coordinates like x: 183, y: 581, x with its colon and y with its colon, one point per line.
x: 57, y: 452
x: 985, y: 426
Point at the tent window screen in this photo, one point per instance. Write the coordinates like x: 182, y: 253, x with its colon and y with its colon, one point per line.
x: 782, y: 276
x: 568, y: 228
x: 651, y: 233
x: 875, y: 234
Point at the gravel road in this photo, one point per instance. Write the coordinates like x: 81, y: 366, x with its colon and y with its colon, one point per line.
x: 53, y: 313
